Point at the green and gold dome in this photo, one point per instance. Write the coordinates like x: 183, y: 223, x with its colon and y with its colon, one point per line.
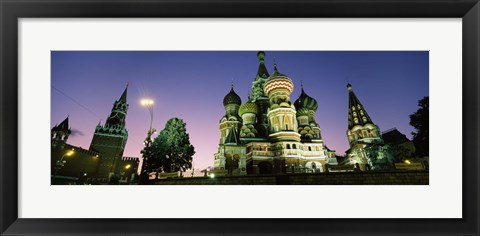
x: 305, y: 101
x: 303, y: 111
x: 248, y: 107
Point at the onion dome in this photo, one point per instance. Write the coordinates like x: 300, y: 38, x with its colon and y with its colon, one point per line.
x: 276, y: 81
x: 305, y: 101
x: 248, y: 107
x: 232, y: 98
x: 302, y: 111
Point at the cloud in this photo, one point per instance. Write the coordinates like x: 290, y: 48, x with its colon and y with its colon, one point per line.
x: 76, y: 132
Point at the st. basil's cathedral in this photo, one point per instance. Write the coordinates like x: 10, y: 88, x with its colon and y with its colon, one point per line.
x: 269, y: 135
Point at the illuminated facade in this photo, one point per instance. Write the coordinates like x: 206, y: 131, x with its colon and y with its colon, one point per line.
x: 367, y: 149
x: 268, y: 134
x: 103, y: 159
x: 110, y: 139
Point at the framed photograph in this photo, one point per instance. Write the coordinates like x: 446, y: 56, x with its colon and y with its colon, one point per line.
x: 250, y: 118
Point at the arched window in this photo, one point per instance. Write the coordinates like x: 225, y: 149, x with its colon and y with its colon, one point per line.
x: 294, y: 146
x: 288, y: 146
x: 309, y: 148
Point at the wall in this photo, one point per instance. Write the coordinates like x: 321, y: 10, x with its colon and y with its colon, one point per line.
x: 346, y: 178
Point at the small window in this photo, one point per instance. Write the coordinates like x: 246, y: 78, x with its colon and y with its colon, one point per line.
x: 288, y: 146
x: 294, y: 146
x: 309, y: 148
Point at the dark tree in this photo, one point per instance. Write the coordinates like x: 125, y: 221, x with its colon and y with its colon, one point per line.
x: 400, y: 153
x: 419, y: 120
x: 171, y: 149
x: 148, y: 163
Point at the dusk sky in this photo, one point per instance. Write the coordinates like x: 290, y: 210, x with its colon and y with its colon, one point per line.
x: 191, y: 85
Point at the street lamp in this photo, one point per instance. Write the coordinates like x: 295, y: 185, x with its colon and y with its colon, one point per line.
x: 148, y: 103
x: 60, y: 163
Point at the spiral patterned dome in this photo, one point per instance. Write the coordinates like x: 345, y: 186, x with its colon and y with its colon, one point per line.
x: 278, y: 81
x: 305, y: 101
x: 302, y: 111
x: 248, y: 107
x: 232, y: 98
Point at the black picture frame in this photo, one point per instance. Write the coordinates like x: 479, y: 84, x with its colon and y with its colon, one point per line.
x: 11, y: 11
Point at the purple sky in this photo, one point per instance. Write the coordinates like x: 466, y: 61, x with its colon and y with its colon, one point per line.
x: 191, y: 85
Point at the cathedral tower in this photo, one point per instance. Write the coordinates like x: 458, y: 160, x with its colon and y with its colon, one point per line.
x: 259, y: 97
x: 110, y: 139
x: 360, y: 126
x: 60, y: 133
x: 248, y: 111
x: 232, y: 103
x: 306, y: 107
x: 281, y: 114
x: 367, y: 150
x: 230, y: 157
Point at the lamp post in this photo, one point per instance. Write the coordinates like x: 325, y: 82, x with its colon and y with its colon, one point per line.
x: 60, y: 163
x: 148, y: 103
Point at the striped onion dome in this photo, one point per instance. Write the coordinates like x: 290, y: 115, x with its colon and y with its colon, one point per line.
x: 277, y: 81
x: 302, y: 111
x: 305, y: 101
x: 248, y: 107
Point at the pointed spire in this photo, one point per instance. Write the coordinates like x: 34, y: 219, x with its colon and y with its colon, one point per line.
x: 62, y: 126
x: 357, y: 115
x: 262, y: 70
x: 123, y: 98
x: 274, y: 64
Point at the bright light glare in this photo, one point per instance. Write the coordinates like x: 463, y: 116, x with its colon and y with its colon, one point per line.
x: 146, y: 102
x: 407, y: 161
x: 128, y: 166
x: 69, y: 153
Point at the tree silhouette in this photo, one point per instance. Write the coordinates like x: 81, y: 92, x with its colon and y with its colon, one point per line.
x: 419, y: 120
x: 171, y: 149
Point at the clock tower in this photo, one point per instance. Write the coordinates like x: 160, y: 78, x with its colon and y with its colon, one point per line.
x: 110, y: 139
